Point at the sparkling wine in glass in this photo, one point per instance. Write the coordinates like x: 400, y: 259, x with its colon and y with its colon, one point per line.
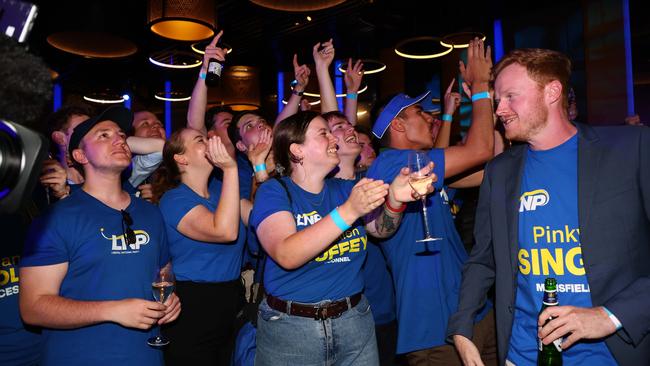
x: 420, y: 178
x: 162, y: 287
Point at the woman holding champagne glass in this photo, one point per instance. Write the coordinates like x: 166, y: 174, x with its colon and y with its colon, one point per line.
x: 314, y: 233
x: 203, y: 229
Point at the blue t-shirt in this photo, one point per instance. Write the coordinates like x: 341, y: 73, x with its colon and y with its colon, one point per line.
x: 195, y: 260
x: 333, y: 274
x: 246, y: 174
x: 549, y: 246
x: 89, y: 236
x: 378, y: 285
x: 18, y: 346
x: 427, y: 287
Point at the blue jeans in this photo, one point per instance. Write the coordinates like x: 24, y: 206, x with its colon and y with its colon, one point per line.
x: 284, y: 339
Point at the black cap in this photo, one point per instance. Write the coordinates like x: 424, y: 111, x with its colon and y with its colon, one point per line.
x: 118, y: 114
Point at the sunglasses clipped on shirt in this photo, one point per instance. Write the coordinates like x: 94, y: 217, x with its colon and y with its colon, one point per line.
x: 127, y: 221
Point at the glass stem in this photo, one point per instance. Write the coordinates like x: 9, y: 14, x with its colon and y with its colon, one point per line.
x: 426, y: 219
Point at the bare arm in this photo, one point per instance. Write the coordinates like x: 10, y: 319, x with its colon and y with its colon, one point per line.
x: 479, y: 145
x: 222, y: 225
x: 291, y: 248
x: 452, y: 101
x: 145, y: 145
x: 301, y: 73
x: 323, y: 60
x: 353, y: 77
x: 199, y: 100
x: 40, y: 304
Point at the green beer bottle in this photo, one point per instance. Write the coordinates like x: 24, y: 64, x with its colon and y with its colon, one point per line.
x: 549, y: 355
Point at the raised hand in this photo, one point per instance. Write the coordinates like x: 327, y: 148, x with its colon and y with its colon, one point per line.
x: 366, y: 195
x: 258, y: 152
x: 212, y: 51
x: 353, y: 76
x: 452, y: 99
x: 325, y: 56
x: 301, y: 73
x: 146, y: 191
x: 218, y: 155
x: 479, y: 63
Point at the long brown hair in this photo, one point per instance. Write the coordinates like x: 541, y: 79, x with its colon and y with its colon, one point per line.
x: 168, y: 176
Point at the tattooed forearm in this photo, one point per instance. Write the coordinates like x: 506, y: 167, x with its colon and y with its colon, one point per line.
x: 387, y: 223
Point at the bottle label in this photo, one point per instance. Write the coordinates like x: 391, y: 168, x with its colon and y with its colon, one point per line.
x: 557, y: 343
x: 215, y: 68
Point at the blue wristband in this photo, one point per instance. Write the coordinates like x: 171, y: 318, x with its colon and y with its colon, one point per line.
x: 481, y: 95
x: 338, y: 220
x: 259, y: 167
x: 202, y: 75
x: 351, y: 95
x: 447, y: 117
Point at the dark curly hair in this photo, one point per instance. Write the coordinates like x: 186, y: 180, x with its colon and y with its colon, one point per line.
x: 26, y: 85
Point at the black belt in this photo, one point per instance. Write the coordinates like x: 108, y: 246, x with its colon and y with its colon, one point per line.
x: 318, y: 312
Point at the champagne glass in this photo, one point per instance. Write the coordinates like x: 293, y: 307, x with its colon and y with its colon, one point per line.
x: 162, y: 287
x: 420, y: 178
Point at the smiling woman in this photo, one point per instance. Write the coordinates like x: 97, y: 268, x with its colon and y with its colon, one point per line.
x: 313, y: 230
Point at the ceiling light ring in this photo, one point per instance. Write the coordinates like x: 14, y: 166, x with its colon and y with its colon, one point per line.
x: 315, y: 95
x: 366, y: 72
x: 420, y: 57
x: 444, y: 40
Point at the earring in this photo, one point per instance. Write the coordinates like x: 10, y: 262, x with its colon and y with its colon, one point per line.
x: 300, y: 161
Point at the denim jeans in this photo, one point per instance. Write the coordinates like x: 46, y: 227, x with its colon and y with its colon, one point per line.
x: 284, y: 339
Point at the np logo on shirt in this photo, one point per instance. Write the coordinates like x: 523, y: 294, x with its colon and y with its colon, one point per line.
x: 530, y: 201
x: 119, y: 244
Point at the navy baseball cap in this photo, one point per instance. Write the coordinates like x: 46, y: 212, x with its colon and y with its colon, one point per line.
x: 118, y: 114
x: 400, y: 102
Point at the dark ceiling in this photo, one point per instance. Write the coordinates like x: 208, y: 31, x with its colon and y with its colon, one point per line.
x: 267, y: 38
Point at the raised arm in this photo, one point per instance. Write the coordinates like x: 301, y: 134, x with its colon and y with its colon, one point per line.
x: 145, y: 145
x: 323, y: 59
x: 301, y: 74
x: 452, y: 101
x: 478, y: 147
x: 199, y: 100
x: 291, y: 249
x: 41, y: 305
x: 222, y: 225
x: 353, y: 76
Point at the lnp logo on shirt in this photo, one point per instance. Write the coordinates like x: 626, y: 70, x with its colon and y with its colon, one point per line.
x: 119, y: 244
x: 530, y: 201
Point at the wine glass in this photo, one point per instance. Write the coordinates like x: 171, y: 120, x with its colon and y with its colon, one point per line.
x: 162, y: 287
x: 420, y: 178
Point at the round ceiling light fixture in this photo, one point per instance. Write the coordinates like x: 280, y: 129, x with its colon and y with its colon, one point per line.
x: 297, y: 5
x: 316, y: 95
x: 182, y: 20
x: 104, y: 97
x: 172, y: 96
x: 174, y: 59
x: 461, y: 39
x: 199, y: 47
x: 369, y: 66
x: 92, y: 44
x: 417, y: 44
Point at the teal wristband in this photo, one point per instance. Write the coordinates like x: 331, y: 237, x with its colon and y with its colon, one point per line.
x: 259, y: 167
x: 447, y: 117
x: 481, y: 95
x: 351, y: 95
x: 338, y: 220
x: 614, y: 319
x: 202, y: 75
